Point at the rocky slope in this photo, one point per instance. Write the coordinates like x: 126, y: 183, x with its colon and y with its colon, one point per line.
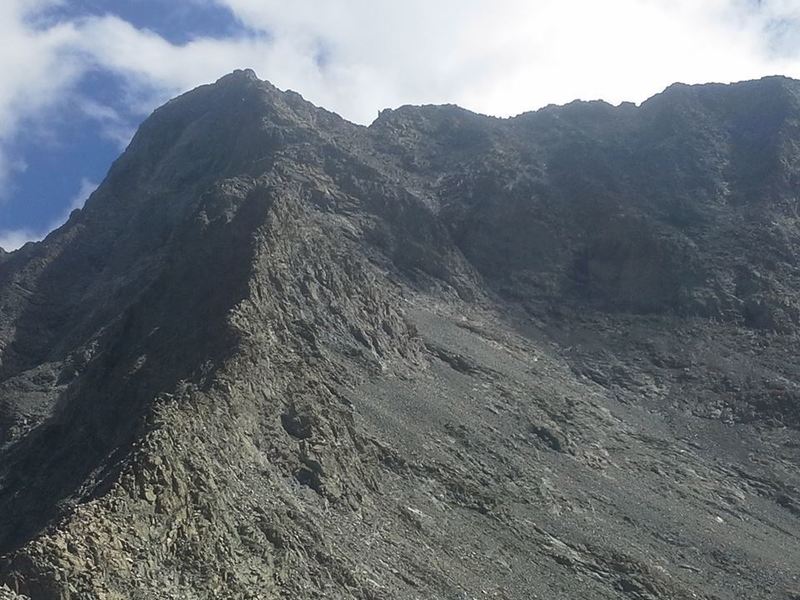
x: 279, y: 355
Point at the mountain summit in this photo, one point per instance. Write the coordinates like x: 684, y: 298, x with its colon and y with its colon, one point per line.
x: 280, y: 355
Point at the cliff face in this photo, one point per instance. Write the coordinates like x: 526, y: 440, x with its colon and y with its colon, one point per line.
x: 279, y: 355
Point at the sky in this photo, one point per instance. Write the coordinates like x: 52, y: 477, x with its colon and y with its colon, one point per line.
x: 78, y: 76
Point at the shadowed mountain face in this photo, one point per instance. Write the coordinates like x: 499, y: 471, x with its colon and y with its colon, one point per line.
x: 279, y: 355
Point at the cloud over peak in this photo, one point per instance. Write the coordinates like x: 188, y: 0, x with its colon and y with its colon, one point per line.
x: 358, y: 56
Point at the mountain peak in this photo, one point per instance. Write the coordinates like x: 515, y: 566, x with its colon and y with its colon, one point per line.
x: 243, y: 78
x: 241, y: 74
x: 474, y: 345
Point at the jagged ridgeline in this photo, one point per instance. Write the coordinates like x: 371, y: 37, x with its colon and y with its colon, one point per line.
x: 280, y: 355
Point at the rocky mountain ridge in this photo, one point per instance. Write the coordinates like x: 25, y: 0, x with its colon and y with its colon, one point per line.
x: 443, y: 356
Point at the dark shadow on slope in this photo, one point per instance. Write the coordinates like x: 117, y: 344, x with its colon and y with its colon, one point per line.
x: 176, y: 331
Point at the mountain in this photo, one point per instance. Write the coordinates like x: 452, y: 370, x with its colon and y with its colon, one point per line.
x: 280, y: 355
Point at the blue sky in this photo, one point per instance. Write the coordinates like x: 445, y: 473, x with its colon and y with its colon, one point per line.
x: 80, y: 75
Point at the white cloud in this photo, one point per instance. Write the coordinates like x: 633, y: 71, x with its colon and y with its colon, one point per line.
x: 497, y: 57
x: 504, y: 57
x: 357, y: 56
x: 16, y: 238
x: 77, y: 201
x: 11, y: 239
x: 113, y: 126
x: 35, y: 66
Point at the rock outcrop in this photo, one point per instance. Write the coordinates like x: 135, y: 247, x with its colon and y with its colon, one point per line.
x: 280, y: 355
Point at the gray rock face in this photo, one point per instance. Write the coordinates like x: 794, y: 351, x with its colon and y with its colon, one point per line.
x: 279, y: 355
x: 7, y: 594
